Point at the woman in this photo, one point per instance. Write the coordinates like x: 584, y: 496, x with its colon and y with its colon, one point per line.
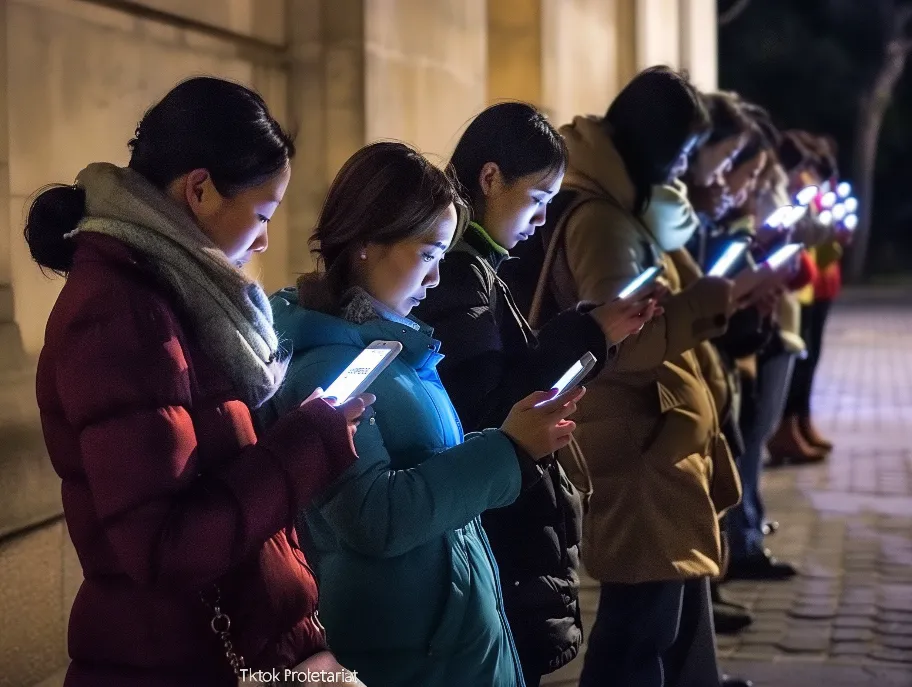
x: 155, y: 351
x: 661, y: 469
x: 510, y: 162
x: 410, y: 591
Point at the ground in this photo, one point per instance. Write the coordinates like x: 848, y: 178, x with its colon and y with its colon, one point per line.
x: 846, y: 621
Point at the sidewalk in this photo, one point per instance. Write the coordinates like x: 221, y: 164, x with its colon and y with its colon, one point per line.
x: 847, y: 620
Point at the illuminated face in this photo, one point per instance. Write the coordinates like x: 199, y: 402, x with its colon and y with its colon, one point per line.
x: 513, y: 211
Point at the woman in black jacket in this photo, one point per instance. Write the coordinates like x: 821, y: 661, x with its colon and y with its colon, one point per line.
x: 510, y: 162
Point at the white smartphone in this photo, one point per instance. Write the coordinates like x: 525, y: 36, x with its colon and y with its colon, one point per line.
x: 806, y: 195
x: 643, y: 280
x: 362, y: 371
x: 779, y: 214
x: 734, y: 251
x: 574, y: 375
x: 781, y: 256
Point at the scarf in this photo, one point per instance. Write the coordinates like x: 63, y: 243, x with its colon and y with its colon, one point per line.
x: 360, y: 307
x: 228, y: 312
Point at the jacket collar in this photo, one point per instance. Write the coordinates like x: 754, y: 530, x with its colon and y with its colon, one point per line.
x: 307, y: 329
x: 492, y: 252
x: 595, y: 164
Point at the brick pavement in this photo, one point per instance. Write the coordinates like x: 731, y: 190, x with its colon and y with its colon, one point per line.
x: 847, y: 620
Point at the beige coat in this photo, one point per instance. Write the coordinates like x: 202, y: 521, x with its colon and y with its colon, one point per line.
x: 661, y: 470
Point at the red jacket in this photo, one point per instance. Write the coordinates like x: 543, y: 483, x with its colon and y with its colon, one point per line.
x: 166, y: 489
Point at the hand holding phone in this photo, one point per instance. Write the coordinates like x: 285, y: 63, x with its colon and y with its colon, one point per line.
x: 622, y: 317
x: 783, y: 255
x: 576, y: 374
x: 538, y: 423
x: 363, y: 370
x: 646, y: 278
x: 730, y: 255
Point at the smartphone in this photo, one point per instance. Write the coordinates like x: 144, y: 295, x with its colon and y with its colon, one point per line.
x: 645, y: 279
x: 574, y: 375
x: 779, y: 214
x: 731, y: 254
x: 362, y: 371
x: 792, y: 217
x: 787, y: 252
x: 806, y: 195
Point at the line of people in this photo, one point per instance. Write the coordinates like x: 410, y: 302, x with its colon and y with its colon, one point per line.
x: 446, y: 512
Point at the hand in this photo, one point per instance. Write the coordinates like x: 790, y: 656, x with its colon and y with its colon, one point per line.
x: 622, y: 317
x: 542, y: 430
x: 749, y: 284
x: 352, y: 409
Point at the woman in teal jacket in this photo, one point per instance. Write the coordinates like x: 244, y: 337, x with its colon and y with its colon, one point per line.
x: 410, y: 593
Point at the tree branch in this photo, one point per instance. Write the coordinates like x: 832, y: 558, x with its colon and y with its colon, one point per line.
x: 733, y: 12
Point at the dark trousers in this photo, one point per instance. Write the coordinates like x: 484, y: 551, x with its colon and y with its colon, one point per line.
x: 655, y: 634
x: 744, y: 522
x: 532, y: 676
x: 813, y: 321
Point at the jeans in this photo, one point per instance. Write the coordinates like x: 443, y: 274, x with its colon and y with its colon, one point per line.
x: 813, y: 321
x: 653, y: 634
x: 744, y: 522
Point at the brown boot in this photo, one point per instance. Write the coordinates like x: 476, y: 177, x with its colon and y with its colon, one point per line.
x: 788, y: 445
x: 813, y: 437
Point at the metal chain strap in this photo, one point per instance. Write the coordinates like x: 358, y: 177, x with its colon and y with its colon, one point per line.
x: 221, y: 626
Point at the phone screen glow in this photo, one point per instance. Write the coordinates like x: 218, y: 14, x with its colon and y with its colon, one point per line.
x: 638, y: 282
x: 806, y: 195
x: 568, y: 377
x: 778, y: 215
x: 360, y: 367
x: 778, y: 258
x: 723, y: 264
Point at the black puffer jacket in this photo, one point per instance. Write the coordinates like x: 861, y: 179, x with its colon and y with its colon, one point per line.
x: 493, y: 359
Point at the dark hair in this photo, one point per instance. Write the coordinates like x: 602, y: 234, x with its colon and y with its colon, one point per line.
x: 385, y: 193
x: 650, y: 122
x: 762, y: 119
x: 727, y: 114
x: 202, y: 123
x: 516, y: 137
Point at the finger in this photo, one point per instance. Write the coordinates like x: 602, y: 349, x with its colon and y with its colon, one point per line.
x: 352, y: 409
x: 315, y: 394
x: 367, y: 399
x: 557, y: 405
x: 535, y: 398
x: 564, y: 428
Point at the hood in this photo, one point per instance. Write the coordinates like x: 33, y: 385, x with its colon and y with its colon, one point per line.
x: 670, y: 217
x: 308, y: 329
x: 595, y: 164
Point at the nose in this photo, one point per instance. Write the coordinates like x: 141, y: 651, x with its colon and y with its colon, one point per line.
x: 538, y: 219
x: 432, y: 278
x: 261, y: 243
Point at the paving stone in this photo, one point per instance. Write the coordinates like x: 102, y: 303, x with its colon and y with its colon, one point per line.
x: 897, y: 642
x: 903, y: 629
x: 860, y: 611
x: 852, y: 634
x: 853, y: 621
x: 891, y: 655
x: 804, y: 642
x: 894, y: 616
x: 851, y: 649
x: 769, y: 637
x: 813, y: 612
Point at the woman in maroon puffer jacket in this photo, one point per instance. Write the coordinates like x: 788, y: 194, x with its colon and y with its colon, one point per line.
x: 155, y: 352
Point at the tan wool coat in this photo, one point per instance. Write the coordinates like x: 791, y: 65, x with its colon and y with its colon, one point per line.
x: 661, y: 470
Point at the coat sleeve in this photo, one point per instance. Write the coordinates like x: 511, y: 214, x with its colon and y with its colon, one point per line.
x: 604, y: 254
x: 483, y: 376
x: 384, y: 512
x: 124, y: 388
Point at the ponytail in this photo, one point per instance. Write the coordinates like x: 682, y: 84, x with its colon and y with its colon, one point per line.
x: 55, y: 213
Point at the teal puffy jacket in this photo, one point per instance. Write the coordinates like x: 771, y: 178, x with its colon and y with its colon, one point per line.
x: 409, y: 589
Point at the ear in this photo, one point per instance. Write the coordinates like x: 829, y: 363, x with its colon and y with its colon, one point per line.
x: 489, y: 177
x: 200, y: 193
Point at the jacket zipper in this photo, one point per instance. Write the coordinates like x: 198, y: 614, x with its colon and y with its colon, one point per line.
x: 498, y: 595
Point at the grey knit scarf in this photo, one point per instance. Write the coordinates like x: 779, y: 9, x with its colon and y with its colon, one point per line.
x: 229, y: 312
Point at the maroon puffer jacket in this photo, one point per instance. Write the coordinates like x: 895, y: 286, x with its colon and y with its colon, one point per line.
x: 167, y: 491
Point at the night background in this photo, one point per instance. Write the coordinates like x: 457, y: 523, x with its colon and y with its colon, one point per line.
x: 811, y: 63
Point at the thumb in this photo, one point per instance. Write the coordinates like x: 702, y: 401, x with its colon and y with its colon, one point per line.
x: 314, y: 395
x: 535, y: 398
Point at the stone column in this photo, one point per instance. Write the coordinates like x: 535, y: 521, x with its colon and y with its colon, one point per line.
x: 515, y: 51
x: 657, y: 33
x: 699, y: 42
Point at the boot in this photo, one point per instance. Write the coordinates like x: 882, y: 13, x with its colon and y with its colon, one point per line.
x: 788, y: 445
x: 813, y: 437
